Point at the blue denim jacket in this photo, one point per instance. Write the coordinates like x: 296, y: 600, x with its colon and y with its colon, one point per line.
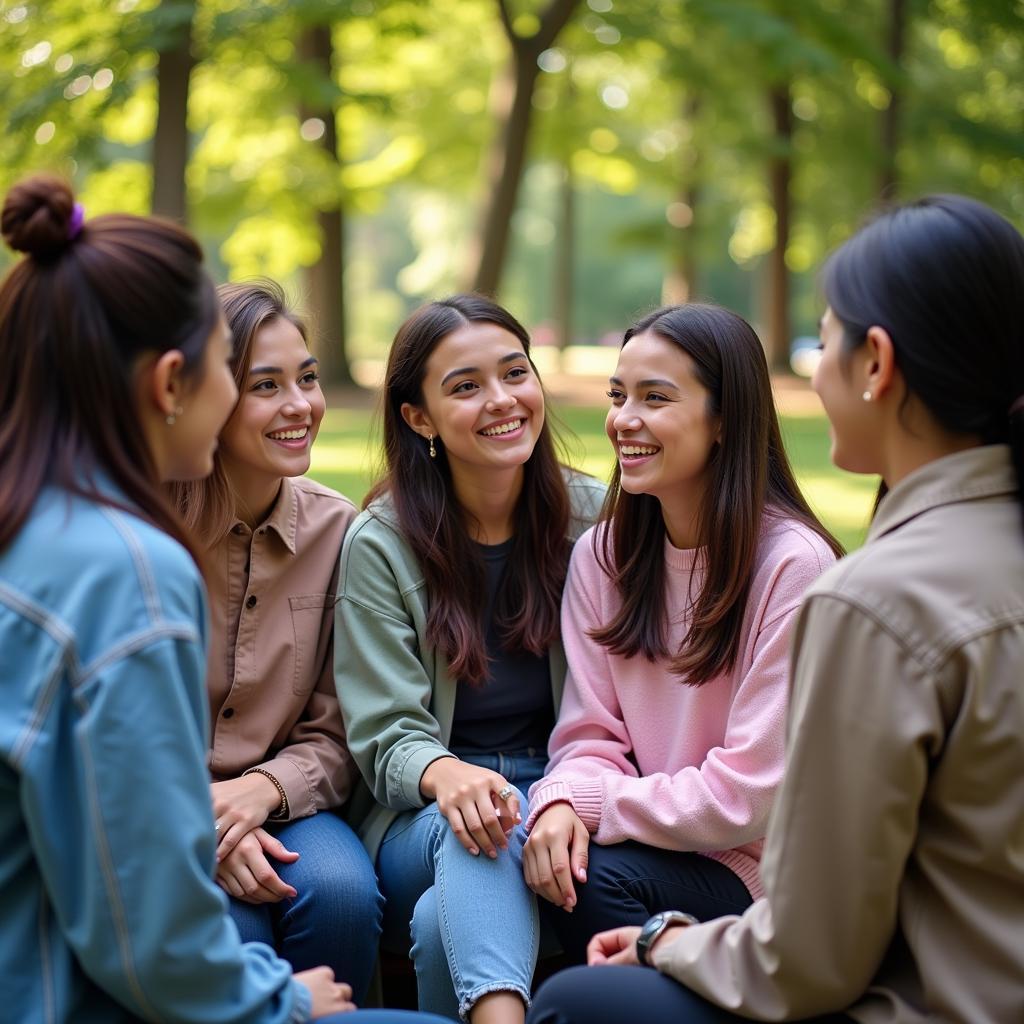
x: 107, y: 907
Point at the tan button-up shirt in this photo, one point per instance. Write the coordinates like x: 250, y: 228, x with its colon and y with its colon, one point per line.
x: 894, y: 863
x: 271, y: 684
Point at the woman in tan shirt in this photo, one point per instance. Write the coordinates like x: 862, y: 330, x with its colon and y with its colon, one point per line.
x: 297, y: 876
x: 893, y: 870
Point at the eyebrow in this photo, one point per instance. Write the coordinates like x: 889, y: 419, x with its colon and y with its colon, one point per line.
x: 311, y: 361
x: 652, y: 383
x: 510, y: 358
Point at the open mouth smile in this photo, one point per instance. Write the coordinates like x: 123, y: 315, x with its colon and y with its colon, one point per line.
x: 504, y: 429
x: 632, y: 453
x: 296, y: 437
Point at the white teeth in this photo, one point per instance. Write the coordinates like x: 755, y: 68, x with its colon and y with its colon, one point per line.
x: 289, y: 435
x: 504, y: 428
x: 637, y: 449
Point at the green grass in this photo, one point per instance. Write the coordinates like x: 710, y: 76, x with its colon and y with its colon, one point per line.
x: 347, y: 452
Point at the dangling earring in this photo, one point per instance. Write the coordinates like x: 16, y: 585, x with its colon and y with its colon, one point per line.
x: 433, y: 450
x: 867, y: 396
x: 172, y: 416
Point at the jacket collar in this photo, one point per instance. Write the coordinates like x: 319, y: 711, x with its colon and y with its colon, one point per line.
x: 972, y: 475
x: 283, y: 518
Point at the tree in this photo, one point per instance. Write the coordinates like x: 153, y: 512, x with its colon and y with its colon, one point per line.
x: 513, y: 109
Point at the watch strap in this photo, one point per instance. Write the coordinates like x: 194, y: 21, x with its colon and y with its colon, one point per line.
x: 653, y: 929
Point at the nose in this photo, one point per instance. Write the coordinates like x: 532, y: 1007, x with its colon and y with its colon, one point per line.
x: 500, y: 398
x: 296, y: 404
x: 625, y: 418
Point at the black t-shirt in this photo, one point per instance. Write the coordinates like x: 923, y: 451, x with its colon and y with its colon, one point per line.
x: 513, y: 709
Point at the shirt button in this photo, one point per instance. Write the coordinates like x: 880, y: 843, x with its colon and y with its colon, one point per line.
x: 250, y: 601
x: 228, y: 712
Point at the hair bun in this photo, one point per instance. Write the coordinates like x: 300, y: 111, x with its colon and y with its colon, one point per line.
x: 37, y: 215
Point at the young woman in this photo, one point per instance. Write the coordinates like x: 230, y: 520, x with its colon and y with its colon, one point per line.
x: 676, y: 622
x: 298, y: 877
x: 893, y: 869
x: 113, y: 378
x: 448, y: 661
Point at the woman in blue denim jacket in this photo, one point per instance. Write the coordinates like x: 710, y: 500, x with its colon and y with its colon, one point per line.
x: 113, y: 378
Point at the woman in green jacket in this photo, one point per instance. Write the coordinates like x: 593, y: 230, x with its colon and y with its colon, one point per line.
x: 447, y: 658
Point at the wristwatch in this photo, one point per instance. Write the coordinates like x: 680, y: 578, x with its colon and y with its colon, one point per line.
x: 651, y: 931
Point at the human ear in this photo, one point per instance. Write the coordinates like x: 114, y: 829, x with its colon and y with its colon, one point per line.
x: 880, y: 362
x: 165, y: 387
x: 418, y: 419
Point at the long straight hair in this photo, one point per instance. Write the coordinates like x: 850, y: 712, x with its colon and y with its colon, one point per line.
x: 748, y: 476
x: 434, y: 524
x: 209, y: 506
x: 76, y: 315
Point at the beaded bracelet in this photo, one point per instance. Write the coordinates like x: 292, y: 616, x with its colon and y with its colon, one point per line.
x: 282, y: 811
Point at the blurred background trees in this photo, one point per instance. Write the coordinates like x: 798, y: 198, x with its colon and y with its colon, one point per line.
x: 582, y: 159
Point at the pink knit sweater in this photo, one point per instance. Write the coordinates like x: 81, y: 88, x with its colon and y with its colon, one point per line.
x: 641, y: 755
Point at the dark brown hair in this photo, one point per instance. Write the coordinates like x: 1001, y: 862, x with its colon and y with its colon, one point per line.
x: 749, y: 476
x: 75, y: 317
x: 208, y: 506
x: 434, y: 525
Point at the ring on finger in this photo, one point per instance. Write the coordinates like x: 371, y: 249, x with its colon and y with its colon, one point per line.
x: 506, y: 791
x: 216, y: 826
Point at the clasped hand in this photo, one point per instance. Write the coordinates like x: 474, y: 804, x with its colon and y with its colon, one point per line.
x: 467, y: 796
x: 556, y: 854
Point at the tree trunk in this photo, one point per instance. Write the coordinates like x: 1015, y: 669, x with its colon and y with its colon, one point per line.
x: 565, y: 249
x: 170, y: 140
x: 888, y: 181
x: 680, y: 282
x: 779, y: 174
x: 325, y: 280
x: 513, y: 111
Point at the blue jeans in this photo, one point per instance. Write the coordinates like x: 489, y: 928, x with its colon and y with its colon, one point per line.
x: 471, y: 921
x: 336, y: 917
x: 381, y: 1017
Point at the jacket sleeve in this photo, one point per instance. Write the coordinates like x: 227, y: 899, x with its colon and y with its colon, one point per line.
x: 383, y: 685
x: 314, y: 766
x: 861, y: 738
x: 130, y: 874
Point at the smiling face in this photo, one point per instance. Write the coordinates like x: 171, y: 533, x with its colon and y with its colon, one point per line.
x: 659, y: 423
x: 272, y: 429
x: 481, y: 399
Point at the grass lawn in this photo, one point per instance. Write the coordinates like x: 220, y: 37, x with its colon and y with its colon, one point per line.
x: 347, y: 451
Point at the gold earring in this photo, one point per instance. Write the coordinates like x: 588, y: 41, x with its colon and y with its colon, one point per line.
x: 433, y: 450
x: 172, y: 416
x: 867, y: 396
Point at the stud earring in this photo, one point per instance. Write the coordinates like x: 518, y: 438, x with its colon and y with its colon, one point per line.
x: 433, y: 450
x: 867, y: 396
x: 172, y: 416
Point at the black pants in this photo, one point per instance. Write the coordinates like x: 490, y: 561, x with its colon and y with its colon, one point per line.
x: 628, y: 882
x: 627, y: 995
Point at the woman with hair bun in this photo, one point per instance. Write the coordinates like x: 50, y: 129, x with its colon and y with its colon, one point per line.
x: 894, y: 864
x: 114, y: 379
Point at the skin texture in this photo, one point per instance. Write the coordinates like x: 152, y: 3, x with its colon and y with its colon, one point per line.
x: 282, y: 393
x: 197, y: 405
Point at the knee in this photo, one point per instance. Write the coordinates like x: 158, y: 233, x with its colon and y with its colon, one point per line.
x: 425, y: 928
x: 558, y: 1000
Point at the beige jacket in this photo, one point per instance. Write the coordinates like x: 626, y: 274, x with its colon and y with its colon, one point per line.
x: 271, y: 679
x: 894, y: 863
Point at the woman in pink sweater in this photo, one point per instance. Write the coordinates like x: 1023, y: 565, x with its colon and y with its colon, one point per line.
x: 676, y: 618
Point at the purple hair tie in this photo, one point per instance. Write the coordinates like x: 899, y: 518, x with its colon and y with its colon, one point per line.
x: 76, y: 222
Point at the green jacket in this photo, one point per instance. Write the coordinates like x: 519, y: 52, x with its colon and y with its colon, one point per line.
x: 397, y: 696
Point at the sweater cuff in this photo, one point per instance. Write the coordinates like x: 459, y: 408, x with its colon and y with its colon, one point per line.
x: 302, y: 1008
x: 585, y: 796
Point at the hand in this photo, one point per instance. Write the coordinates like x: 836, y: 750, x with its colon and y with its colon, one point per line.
x: 239, y: 806
x: 468, y: 797
x: 617, y: 946
x: 555, y: 854
x: 329, y: 996
x: 246, y: 874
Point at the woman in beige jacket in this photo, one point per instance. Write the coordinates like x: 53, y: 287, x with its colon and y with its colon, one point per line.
x: 894, y: 865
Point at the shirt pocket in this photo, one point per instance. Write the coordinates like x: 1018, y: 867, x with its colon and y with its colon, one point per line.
x: 308, y: 613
